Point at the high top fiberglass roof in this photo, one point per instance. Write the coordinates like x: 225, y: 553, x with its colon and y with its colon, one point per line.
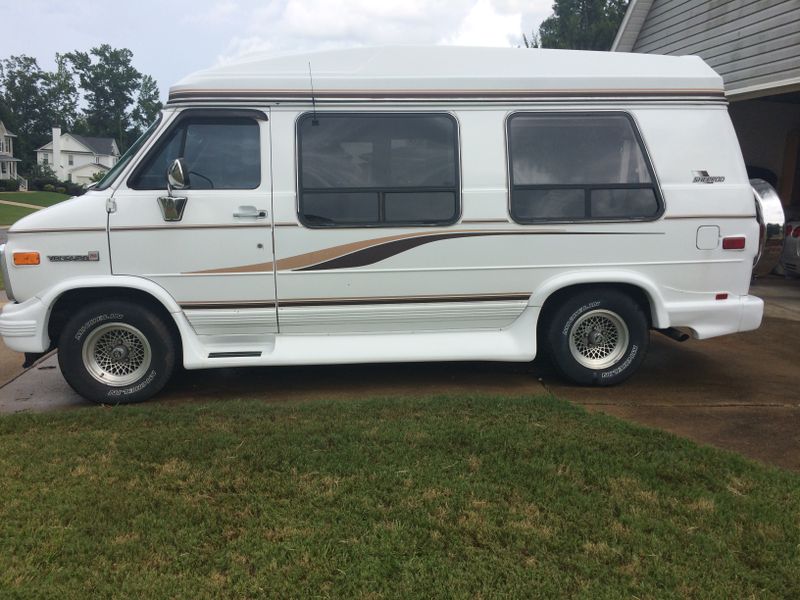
x: 453, y: 71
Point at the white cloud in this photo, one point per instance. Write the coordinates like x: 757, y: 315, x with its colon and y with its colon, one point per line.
x: 485, y: 26
x: 217, y: 12
x: 281, y: 26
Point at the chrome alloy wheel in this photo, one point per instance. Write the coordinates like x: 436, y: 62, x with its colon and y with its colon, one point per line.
x: 116, y: 354
x: 598, y: 339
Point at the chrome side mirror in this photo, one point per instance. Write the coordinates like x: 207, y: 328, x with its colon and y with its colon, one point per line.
x: 177, y: 176
x: 172, y: 207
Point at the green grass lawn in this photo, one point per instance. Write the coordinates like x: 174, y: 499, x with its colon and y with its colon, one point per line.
x: 37, y: 198
x: 10, y: 214
x: 418, y: 498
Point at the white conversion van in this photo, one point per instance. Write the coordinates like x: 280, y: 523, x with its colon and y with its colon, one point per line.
x: 399, y: 204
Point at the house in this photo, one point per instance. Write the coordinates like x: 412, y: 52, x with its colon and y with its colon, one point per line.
x: 8, y: 164
x: 77, y: 158
x: 755, y: 47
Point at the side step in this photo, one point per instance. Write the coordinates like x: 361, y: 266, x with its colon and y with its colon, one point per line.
x: 244, y: 354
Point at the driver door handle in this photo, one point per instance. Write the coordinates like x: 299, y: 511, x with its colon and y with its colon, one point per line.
x: 250, y: 212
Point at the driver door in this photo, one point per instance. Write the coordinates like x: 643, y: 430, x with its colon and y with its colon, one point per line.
x: 215, y: 256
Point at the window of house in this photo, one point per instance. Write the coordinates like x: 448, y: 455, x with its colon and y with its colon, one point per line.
x: 71, y: 160
x: 378, y: 170
x: 3, y: 168
x: 45, y: 159
x: 220, y: 153
x: 575, y: 167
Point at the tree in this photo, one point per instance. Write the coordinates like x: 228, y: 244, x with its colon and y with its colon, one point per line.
x: 108, y: 81
x: 582, y: 24
x: 148, y: 105
x: 32, y: 101
x: 532, y: 42
x: 118, y: 101
x: 61, y: 96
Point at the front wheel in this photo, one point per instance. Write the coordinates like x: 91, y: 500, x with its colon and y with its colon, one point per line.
x: 598, y: 337
x: 116, y: 353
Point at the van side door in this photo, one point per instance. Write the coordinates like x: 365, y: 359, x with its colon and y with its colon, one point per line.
x: 210, y: 244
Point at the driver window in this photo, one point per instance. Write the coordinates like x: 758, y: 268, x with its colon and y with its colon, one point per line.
x: 221, y: 154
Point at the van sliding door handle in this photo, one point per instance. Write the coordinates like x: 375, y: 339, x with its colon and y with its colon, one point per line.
x: 250, y: 212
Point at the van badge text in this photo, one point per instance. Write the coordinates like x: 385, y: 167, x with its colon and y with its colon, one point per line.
x: 91, y: 256
x: 704, y: 177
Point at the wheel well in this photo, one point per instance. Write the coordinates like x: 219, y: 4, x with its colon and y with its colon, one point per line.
x: 71, y: 300
x: 553, y: 300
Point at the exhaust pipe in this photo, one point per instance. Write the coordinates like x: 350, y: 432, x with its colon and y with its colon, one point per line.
x: 674, y: 334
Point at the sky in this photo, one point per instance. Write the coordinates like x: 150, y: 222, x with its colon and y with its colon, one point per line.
x: 172, y: 38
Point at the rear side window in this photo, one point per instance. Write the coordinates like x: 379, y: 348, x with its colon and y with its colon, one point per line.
x: 220, y: 153
x: 576, y: 167
x: 378, y: 170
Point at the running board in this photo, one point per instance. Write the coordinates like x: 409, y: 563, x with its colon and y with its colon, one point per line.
x: 515, y: 343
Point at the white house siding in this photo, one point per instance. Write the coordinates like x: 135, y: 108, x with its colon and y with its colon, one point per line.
x: 84, y: 162
x: 752, y: 44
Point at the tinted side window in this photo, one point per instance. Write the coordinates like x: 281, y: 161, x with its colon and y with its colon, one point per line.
x: 221, y: 154
x: 578, y: 167
x: 378, y: 170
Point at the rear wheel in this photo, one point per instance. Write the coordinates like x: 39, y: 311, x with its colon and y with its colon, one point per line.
x: 116, y: 353
x: 598, y: 337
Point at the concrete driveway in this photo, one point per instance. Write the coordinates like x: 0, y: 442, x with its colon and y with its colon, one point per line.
x: 739, y: 392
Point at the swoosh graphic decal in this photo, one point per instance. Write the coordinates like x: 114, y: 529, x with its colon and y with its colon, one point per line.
x: 371, y: 251
x: 379, y: 252
x: 307, y: 259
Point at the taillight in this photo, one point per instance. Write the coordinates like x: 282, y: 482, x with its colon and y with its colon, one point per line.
x: 796, y: 232
x: 788, y: 230
x: 733, y: 243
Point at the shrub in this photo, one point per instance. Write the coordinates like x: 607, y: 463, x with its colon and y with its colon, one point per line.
x: 51, y: 184
x: 9, y: 185
x: 74, y: 189
x: 38, y: 182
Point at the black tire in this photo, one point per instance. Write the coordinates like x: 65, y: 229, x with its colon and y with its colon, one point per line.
x: 597, y: 336
x: 122, y: 341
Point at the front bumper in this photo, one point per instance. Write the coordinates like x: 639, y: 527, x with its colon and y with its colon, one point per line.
x: 709, y: 319
x: 22, y: 326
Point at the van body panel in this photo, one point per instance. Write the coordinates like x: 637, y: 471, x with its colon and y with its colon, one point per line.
x: 279, y: 291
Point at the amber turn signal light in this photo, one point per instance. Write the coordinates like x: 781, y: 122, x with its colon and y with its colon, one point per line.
x: 26, y: 258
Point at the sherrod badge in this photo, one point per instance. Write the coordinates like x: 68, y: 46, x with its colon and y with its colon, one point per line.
x: 91, y: 256
x: 704, y: 177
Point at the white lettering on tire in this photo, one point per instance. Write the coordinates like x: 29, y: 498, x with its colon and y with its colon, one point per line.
x: 132, y: 390
x: 576, y: 314
x: 92, y: 322
x: 623, y: 366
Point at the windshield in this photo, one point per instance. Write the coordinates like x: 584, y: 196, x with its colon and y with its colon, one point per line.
x: 126, y: 158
